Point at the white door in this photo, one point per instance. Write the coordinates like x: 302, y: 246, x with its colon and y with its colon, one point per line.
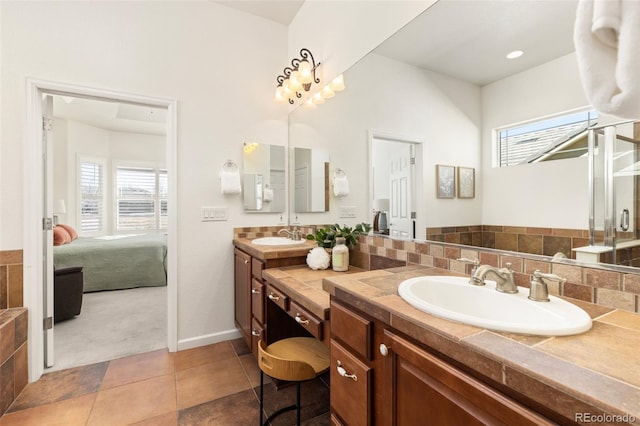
x: 47, y: 246
x: 401, y: 223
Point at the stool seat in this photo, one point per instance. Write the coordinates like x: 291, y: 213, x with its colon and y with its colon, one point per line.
x: 295, y: 359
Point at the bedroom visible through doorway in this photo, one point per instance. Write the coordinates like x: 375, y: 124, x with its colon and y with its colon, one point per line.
x: 109, y: 187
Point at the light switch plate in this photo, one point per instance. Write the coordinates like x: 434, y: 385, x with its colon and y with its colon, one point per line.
x: 210, y: 214
x: 347, y: 211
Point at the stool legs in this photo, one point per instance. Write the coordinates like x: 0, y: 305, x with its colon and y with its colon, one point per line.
x: 261, y: 397
x: 297, y: 406
x: 298, y: 402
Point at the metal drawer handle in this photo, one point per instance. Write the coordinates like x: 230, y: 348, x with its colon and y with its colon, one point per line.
x: 299, y: 320
x: 342, y: 372
x: 384, y: 349
x: 255, y: 291
x: 255, y: 333
x: 274, y: 297
x: 246, y: 262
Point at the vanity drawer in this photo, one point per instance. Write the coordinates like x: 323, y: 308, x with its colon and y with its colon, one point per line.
x: 257, y: 267
x: 306, y: 319
x: 257, y: 333
x: 278, y: 297
x: 352, y: 330
x: 257, y: 300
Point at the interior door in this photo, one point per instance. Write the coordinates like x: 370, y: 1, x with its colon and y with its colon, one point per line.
x: 47, y: 214
x: 401, y: 223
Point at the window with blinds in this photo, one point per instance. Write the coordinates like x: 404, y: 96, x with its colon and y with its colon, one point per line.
x: 92, y: 196
x: 553, y: 138
x: 140, y: 198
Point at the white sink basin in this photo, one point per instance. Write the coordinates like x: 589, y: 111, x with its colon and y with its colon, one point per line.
x: 276, y: 241
x: 455, y: 299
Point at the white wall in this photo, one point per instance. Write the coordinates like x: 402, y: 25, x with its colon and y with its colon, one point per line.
x: 549, y: 194
x: 220, y: 65
x: 340, y: 33
x: 395, y: 99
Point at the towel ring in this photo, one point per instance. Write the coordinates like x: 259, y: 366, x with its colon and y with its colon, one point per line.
x: 339, y: 173
x: 230, y: 166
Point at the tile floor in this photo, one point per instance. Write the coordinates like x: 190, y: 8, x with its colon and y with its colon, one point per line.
x: 212, y: 385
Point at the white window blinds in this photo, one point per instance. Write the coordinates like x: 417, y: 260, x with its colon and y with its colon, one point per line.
x: 92, y: 196
x: 141, y: 198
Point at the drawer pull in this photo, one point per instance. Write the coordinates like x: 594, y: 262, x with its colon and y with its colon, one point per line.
x: 300, y: 320
x: 342, y: 372
x: 255, y: 291
x: 384, y: 349
x: 255, y: 333
x: 246, y: 262
x: 274, y: 297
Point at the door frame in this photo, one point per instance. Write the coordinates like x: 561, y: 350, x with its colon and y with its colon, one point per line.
x: 419, y: 205
x: 33, y: 270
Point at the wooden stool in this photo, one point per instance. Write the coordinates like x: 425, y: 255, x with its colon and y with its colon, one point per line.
x: 295, y: 359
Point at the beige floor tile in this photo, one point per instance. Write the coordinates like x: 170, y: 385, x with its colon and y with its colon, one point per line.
x: 210, y: 381
x: 138, y: 367
x: 134, y: 402
x: 70, y: 412
x: 252, y: 370
x: 169, y: 419
x: 203, y: 355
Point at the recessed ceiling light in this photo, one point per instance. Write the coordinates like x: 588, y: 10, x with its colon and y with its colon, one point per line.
x: 514, y: 54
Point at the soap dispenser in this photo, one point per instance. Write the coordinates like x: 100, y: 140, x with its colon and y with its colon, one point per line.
x: 340, y: 256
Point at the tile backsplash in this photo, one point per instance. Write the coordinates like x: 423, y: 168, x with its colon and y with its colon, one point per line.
x: 11, y: 279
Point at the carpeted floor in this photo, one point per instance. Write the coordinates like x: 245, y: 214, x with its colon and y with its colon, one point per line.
x: 112, y: 324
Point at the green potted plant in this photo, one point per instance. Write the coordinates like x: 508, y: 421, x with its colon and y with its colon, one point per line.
x: 326, y: 237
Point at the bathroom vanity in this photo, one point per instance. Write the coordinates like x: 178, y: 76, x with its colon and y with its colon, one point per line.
x: 394, y: 364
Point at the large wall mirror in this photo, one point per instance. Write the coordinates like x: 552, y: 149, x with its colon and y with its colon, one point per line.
x: 444, y: 83
x: 263, y: 178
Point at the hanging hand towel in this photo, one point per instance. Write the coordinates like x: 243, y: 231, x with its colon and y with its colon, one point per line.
x: 267, y: 195
x: 607, y: 40
x: 230, y: 179
x: 340, y: 184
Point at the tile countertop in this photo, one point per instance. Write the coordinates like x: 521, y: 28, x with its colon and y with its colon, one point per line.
x: 273, y: 252
x: 304, y: 285
x: 597, y: 372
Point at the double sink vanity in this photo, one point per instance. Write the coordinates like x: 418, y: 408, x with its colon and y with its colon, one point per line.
x: 392, y: 363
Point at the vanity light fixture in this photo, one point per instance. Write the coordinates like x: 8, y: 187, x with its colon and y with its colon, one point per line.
x: 297, y: 78
x: 249, y: 147
x: 514, y: 54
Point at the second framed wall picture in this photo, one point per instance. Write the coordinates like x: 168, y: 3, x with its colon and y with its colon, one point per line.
x: 446, y: 181
x: 466, y: 182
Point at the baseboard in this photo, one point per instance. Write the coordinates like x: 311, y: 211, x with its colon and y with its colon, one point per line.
x: 194, y: 342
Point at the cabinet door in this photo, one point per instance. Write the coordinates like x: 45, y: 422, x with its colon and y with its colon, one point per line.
x: 257, y: 300
x: 423, y: 389
x: 242, y: 299
x: 351, y: 384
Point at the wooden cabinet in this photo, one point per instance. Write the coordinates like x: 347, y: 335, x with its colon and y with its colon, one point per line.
x: 242, y: 299
x: 401, y: 382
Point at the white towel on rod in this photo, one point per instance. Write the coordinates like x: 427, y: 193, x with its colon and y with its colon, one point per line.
x: 340, y: 186
x: 267, y: 195
x: 230, y: 179
x: 607, y: 40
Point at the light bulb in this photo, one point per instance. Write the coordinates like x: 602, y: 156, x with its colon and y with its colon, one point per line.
x: 294, y: 81
x: 279, y: 95
x: 327, y: 92
x: 318, y: 99
x: 338, y: 83
x: 305, y: 72
x: 309, y: 104
x: 286, y: 89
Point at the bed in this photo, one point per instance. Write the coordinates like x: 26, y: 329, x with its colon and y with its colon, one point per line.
x: 116, y: 263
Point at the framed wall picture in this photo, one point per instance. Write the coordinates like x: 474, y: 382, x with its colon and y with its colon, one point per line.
x: 446, y: 181
x: 466, y: 182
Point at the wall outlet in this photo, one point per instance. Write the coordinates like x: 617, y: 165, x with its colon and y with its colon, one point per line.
x: 210, y: 214
x: 347, y: 211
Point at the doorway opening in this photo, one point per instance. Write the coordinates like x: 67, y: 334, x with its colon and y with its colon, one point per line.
x: 106, y: 183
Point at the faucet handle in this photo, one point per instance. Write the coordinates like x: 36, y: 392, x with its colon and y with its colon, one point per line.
x: 474, y: 262
x: 552, y: 277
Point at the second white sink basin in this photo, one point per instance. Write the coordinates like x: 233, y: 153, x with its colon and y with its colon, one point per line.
x: 455, y: 299
x: 276, y: 241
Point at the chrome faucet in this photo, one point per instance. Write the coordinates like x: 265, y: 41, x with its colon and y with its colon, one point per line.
x: 294, y: 235
x: 475, y: 263
x: 503, y: 276
x: 538, y: 291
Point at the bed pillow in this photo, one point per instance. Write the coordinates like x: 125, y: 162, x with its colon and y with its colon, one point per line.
x: 60, y: 236
x: 72, y: 232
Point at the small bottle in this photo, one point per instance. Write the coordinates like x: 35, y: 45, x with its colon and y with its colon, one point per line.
x: 340, y: 256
